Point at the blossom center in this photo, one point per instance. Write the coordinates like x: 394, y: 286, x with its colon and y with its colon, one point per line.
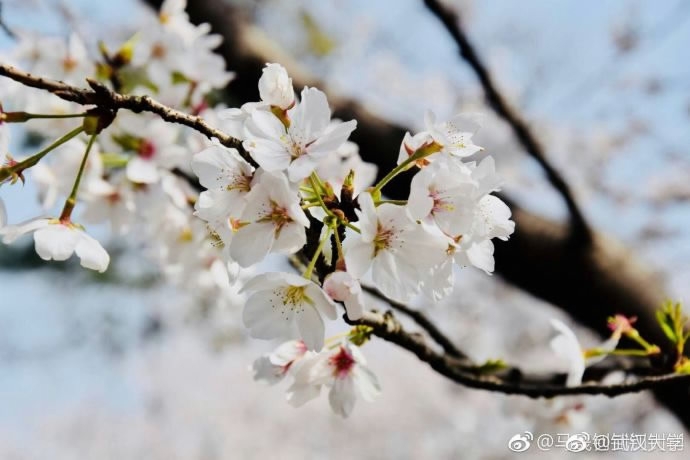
x: 440, y: 203
x: 146, y: 149
x: 383, y: 239
x: 342, y: 363
x: 158, y: 51
x: 239, y: 182
x: 278, y: 215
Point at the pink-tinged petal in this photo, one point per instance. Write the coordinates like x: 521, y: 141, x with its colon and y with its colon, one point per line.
x: 55, y: 242
x: 92, y: 254
x: 336, y: 285
x: 342, y: 396
x: 288, y: 352
x: 251, y: 243
x: 311, y: 327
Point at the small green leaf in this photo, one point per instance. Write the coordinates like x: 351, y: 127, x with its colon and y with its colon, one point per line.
x: 491, y: 365
x: 668, y: 329
x: 319, y: 42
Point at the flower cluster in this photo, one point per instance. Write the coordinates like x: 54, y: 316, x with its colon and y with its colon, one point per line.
x: 133, y: 166
x: 296, y: 187
x: 341, y: 368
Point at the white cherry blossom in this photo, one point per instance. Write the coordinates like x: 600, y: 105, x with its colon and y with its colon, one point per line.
x: 228, y: 178
x: 342, y: 287
x: 58, y: 240
x: 284, y: 305
x: 275, y: 87
x: 455, y: 135
x: 344, y: 371
x: 444, y: 193
x: 272, y: 367
x: 411, y: 144
x: 272, y: 221
x: 567, y: 346
x: 398, y: 250
x: 296, y: 149
x: 155, y: 148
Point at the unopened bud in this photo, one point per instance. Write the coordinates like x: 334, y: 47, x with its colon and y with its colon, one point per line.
x: 97, y: 120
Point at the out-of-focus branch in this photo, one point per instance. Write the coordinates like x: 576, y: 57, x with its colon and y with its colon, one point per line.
x: 497, y: 101
x: 5, y: 28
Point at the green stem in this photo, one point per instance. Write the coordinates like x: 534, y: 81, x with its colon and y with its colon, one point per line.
x: 642, y: 353
x: 312, y: 263
x: 30, y: 116
x: 349, y: 225
x: 395, y: 202
x: 32, y: 160
x: 643, y: 343
x: 318, y: 180
x: 72, y: 199
x: 418, y: 155
x: 338, y: 245
x: 313, y: 180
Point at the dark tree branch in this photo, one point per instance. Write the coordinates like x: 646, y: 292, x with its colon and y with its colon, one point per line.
x: 424, y: 322
x: 497, y: 101
x: 102, y: 97
x: 509, y: 381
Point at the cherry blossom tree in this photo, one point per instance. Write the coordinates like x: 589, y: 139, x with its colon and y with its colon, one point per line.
x: 135, y: 137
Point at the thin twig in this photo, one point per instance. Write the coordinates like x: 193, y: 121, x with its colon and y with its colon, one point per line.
x: 103, y: 97
x: 424, y: 322
x: 579, y: 227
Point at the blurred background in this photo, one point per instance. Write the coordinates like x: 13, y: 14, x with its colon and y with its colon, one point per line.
x: 125, y: 366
